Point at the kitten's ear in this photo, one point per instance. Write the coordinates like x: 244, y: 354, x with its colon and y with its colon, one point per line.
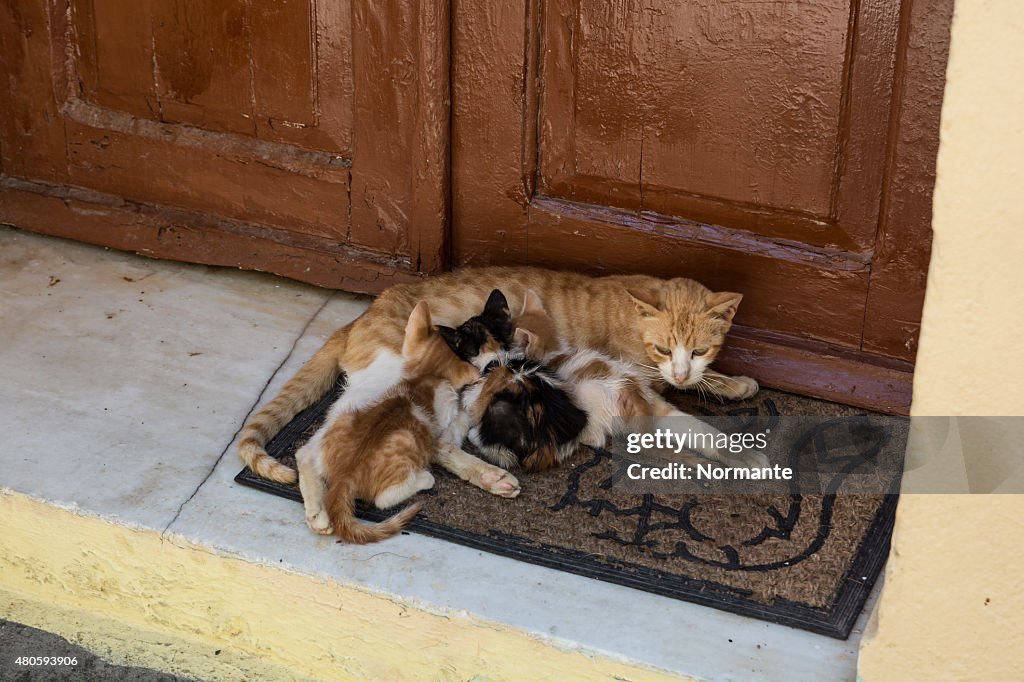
x: 496, y: 304
x: 532, y: 303
x: 450, y: 336
x: 646, y: 299
x: 417, y: 329
x: 525, y: 339
x: 723, y: 304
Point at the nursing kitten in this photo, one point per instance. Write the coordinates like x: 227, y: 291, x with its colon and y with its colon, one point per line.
x: 673, y: 327
x: 521, y: 414
x: 380, y: 449
x: 482, y: 337
x: 605, y: 388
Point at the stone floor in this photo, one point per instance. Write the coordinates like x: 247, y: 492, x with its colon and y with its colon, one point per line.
x: 124, y: 384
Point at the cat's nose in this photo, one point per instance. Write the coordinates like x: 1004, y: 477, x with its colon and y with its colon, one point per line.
x: 681, y: 378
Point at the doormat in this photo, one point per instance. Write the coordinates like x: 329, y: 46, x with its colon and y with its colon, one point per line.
x: 806, y: 561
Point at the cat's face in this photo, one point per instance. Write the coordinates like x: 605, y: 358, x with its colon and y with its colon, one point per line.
x: 481, y: 338
x: 426, y: 353
x: 683, y: 326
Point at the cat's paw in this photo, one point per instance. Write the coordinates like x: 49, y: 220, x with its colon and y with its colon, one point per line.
x: 320, y: 523
x: 743, y: 388
x: 499, y: 482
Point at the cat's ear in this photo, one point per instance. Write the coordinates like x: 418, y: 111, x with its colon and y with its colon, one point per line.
x: 525, y: 339
x: 723, y: 304
x: 646, y: 299
x: 532, y: 303
x: 417, y: 329
x: 496, y: 304
x: 450, y: 336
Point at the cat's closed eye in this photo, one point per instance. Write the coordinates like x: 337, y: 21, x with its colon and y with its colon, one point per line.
x: 663, y: 350
x: 699, y: 352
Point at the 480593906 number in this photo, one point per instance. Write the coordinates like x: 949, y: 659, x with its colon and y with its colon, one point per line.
x: 46, y: 660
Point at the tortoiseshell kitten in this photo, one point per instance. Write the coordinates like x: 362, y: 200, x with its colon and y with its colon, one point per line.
x: 522, y: 414
x: 481, y: 338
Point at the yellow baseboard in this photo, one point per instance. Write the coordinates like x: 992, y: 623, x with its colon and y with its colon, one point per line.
x: 164, y: 603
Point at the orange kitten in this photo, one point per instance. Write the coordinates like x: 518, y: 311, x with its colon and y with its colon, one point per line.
x: 380, y: 448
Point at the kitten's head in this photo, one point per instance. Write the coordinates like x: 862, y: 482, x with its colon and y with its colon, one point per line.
x: 535, y: 331
x: 426, y: 353
x: 481, y: 338
x: 683, y: 326
x: 523, y: 415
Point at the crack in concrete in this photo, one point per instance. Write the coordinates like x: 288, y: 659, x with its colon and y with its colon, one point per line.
x: 248, y: 414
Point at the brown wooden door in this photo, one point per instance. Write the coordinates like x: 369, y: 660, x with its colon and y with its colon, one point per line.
x: 782, y: 149
x: 306, y: 138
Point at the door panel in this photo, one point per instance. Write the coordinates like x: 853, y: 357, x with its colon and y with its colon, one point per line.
x: 755, y: 146
x: 223, y: 175
x: 743, y: 114
x: 574, y: 232
x: 274, y: 71
x: 278, y: 118
x: 244, y: 81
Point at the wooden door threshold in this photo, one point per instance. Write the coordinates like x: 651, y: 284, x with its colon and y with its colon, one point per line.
x: 176, y: 234
x: 819, y: 370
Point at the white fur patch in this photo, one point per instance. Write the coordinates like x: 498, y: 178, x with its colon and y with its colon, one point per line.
x: 681, y: 364
x: 483, y: 359
x: 445, y: 408
x: 400, y: 492
x: 311, y: 454
x: 367, y: 386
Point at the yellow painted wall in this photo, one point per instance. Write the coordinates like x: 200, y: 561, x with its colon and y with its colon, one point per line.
x: 953, y: 603
x: 137, y: 598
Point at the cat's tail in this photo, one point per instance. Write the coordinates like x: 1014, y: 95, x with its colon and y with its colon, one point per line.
x: 307, y: 386
x: 340, y: 504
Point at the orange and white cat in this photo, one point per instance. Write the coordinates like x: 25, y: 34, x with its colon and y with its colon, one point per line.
x: 377, y: 443
x: 609, y: 390
x: 671, y: 328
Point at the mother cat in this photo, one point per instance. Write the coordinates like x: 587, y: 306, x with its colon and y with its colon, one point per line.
x: 671, y: 328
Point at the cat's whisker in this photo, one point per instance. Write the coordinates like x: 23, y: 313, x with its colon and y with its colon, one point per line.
x: 700, y: 391
x: 648, y: 370
x: 713, y: 383
x: 707, y: 390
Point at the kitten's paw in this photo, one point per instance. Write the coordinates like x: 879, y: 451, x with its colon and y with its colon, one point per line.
x: 743, y: 388
x: 320, y: 523
x: 424, y: 480
x: 499, y: 482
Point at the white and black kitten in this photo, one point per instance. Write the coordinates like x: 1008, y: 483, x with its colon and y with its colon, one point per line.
x: 522, y: 414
